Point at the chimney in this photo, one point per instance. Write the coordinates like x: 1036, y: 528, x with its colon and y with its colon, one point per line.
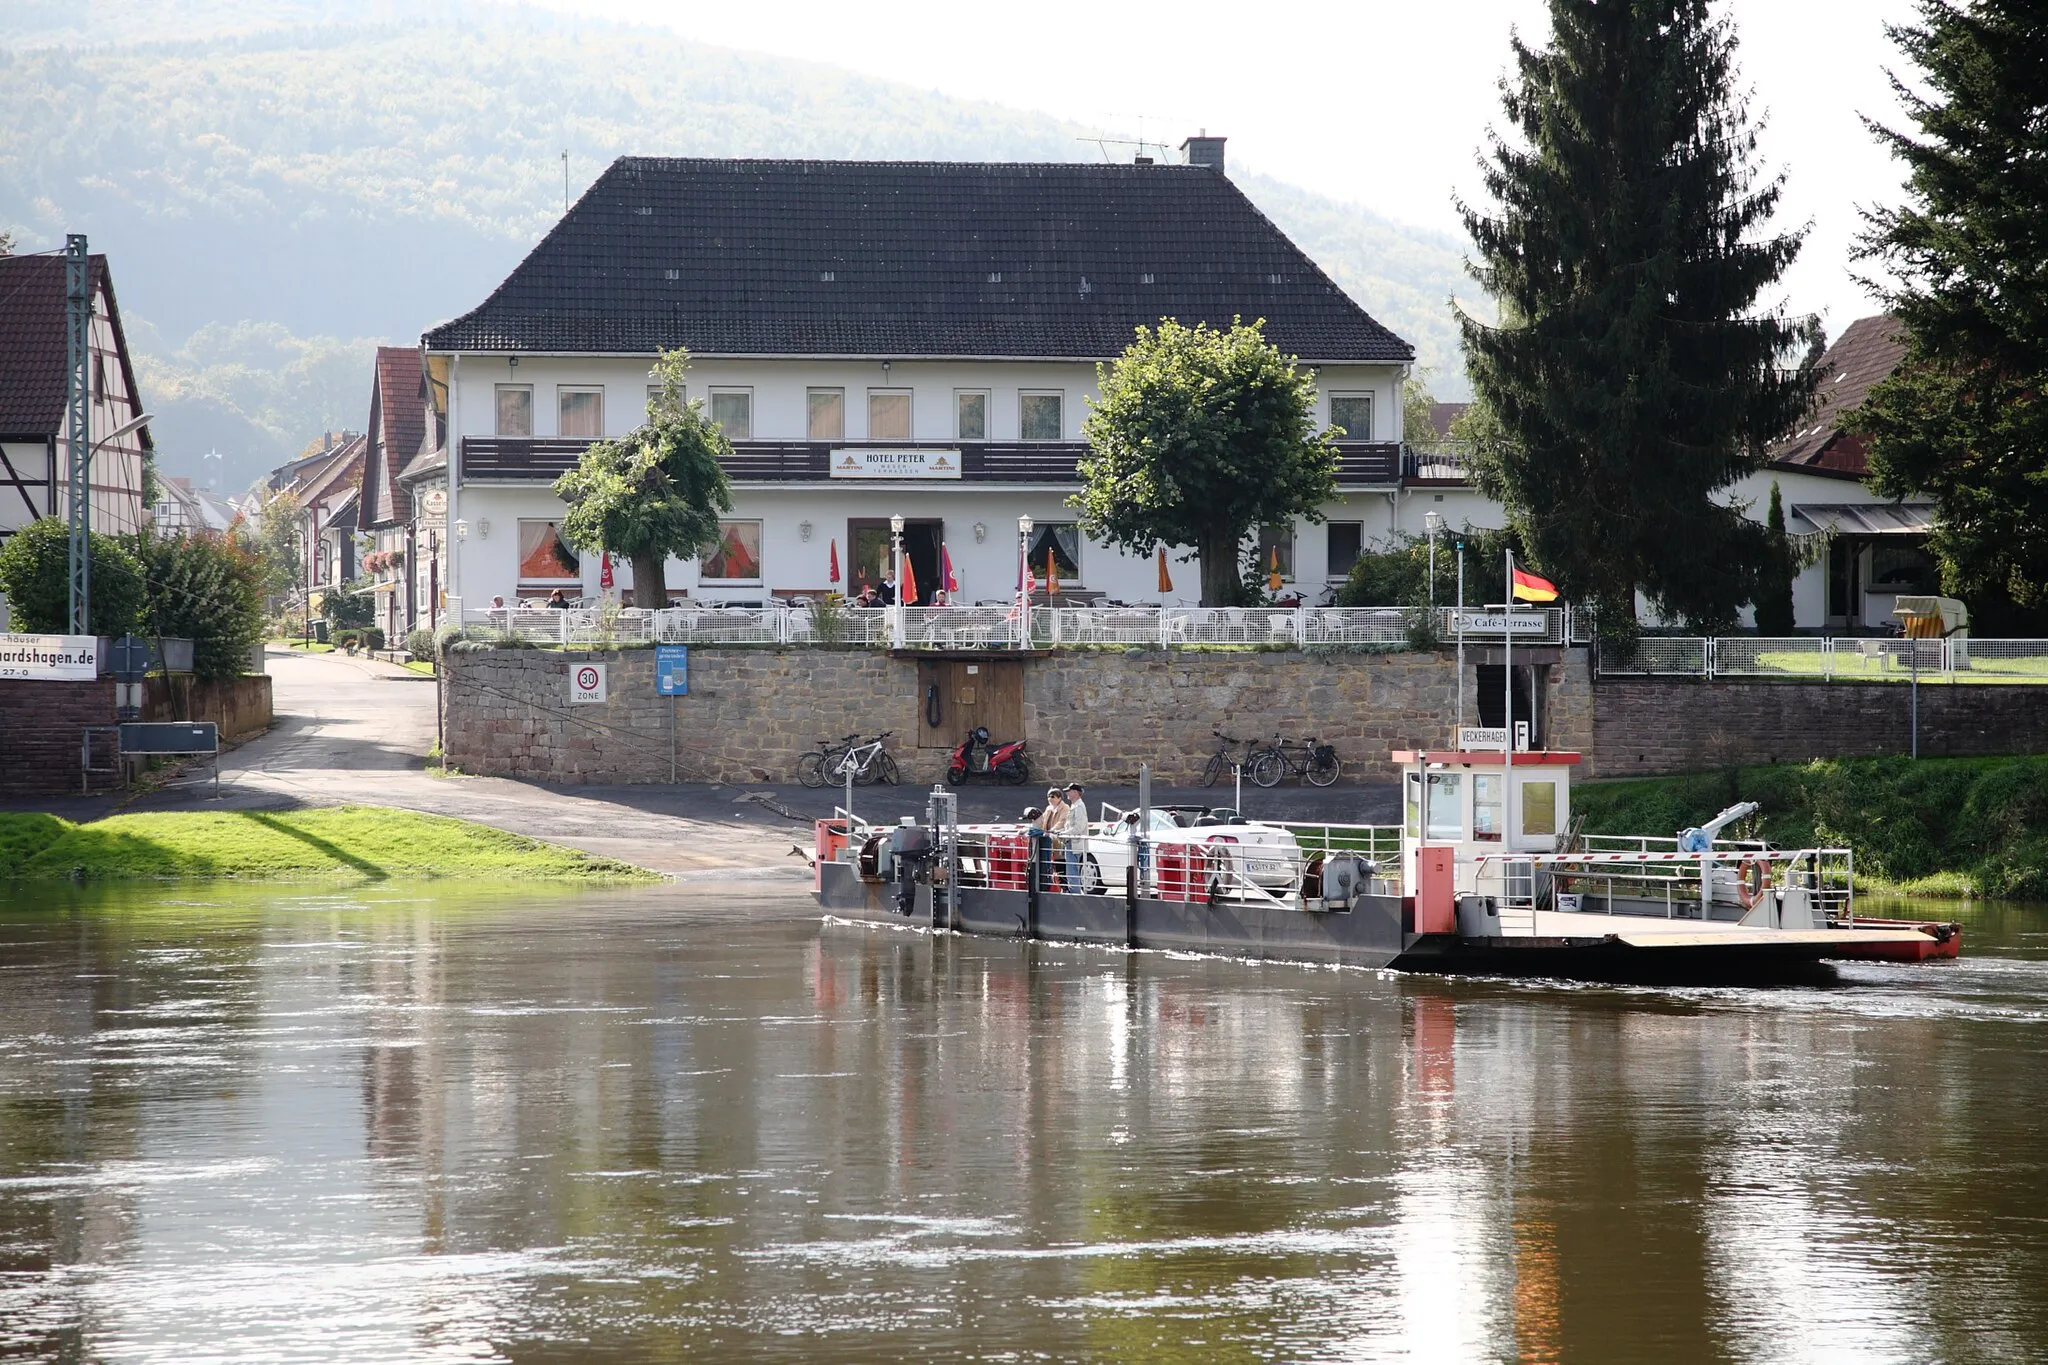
x: 1205, y: 151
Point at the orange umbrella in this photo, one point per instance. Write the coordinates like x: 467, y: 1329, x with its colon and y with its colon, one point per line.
x: 1052, y: 574
x: 1273, y: 574
x: 1165, y: 579
x: 906, y: 591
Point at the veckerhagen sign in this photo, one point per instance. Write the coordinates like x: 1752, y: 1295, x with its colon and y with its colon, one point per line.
x: 868, y: 462
x: 50, y: 658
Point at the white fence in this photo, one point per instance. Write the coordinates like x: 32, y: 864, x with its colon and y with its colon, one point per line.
x: 1889, y: 659
x: 947, y: 628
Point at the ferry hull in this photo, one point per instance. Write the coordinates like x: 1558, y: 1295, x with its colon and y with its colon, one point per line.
x: 1371, y: 934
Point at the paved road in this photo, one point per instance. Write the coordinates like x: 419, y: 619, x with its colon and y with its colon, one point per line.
x: 358, y: 731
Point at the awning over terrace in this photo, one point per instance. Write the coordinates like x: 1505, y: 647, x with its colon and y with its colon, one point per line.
x: 1868, y: 518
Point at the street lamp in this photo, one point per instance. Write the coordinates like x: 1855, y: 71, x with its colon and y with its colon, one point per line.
x: 896, y: 552
x: 1024, y: 580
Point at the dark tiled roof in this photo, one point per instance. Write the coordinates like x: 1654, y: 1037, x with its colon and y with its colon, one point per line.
x: 398, y: 428
x: 1862, y: 356
x: 33, y: 345
x: 1441, y: 415
x: 903, y: 259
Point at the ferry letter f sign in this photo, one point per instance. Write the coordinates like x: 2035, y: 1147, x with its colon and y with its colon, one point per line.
x: 586, y: 683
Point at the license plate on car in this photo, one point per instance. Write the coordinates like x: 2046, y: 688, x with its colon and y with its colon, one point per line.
x: 1266, y: 867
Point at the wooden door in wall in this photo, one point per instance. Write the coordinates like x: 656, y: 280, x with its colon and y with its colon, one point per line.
x: 955, y: 695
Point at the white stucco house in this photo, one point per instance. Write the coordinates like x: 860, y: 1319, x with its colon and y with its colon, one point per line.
x: 884, y: 339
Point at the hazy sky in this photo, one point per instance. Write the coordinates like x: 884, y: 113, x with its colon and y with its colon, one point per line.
x: 1371, y: 101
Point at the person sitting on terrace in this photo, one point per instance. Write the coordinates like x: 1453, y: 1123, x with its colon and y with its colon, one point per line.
x: 868, y: 596
x: 498, y: 602
x: 557, y: 601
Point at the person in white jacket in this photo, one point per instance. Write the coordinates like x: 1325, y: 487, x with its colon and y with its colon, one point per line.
x: 1077, y: 837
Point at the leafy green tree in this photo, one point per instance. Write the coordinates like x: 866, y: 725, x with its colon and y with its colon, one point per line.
x: 345, y: 607
x: 1633, y: 378
x: 1201, y: 435
x: 1774, y: 615
x: 277, y: 544
x: 1965, y: 417
x: 35, y: 573
x: 656, y: 492
x: 208, y: 589
x: 1416, y: 404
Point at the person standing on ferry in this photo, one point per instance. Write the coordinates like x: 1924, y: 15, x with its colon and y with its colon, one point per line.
x: 1077, y: 836
x: 1050, y: 822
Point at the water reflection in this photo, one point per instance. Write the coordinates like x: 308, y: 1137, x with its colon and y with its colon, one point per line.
x: 263, y: 1125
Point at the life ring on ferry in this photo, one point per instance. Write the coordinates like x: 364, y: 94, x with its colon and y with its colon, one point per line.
x: 1752, y: 881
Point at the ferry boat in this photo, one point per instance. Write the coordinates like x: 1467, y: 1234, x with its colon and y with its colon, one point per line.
x: 1483, y: 875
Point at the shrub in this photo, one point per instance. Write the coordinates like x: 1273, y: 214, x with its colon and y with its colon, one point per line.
x: 35, y: 573
x: 349, y: 606
x: 419, y: 642
x: 206, y: 588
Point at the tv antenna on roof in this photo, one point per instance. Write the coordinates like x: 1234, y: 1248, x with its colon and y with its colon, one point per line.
x: 565, y: 182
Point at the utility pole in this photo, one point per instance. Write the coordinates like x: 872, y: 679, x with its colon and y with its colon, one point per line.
x: 78, y: 424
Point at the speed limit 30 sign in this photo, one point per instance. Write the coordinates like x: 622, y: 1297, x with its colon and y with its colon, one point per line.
x: 586, y: 682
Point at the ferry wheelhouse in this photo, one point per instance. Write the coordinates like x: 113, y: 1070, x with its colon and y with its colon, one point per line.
x: 1486, y: 873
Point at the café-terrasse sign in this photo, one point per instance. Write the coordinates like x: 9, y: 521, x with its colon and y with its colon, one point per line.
x: 877, y: 462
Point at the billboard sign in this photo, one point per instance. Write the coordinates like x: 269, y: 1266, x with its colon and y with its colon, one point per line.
x: 50, y: 658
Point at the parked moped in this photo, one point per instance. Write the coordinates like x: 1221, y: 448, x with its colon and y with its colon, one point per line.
x: 977, y: 757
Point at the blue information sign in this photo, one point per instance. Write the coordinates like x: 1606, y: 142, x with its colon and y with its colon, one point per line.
x: 672, y: 670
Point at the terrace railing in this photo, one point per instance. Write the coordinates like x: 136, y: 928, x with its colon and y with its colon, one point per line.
x: 1830, y: 659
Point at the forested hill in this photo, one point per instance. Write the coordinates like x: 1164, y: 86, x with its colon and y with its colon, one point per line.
x: 281, y: 186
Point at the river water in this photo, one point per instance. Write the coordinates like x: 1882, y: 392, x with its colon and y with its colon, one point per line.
x: 403, y: 1124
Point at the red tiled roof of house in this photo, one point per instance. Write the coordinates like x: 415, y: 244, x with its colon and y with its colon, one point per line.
x: 398, y: 428
x: 1862, y: 356
x: 33, y: 347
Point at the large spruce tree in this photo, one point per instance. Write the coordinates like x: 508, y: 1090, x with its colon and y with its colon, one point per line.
x: 1634, y: 376
x: 1965, y: 417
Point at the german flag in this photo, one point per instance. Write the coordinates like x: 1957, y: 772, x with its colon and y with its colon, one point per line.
x: 1530, y: 588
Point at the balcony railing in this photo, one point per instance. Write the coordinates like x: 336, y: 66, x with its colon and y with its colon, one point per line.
x: 547, y: 458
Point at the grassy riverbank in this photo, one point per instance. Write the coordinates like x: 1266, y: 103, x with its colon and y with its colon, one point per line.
x: 1938, y: 826
x: 349, y: 844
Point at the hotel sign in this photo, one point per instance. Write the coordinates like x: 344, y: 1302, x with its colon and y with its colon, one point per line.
x: 876, y: 462
x: 50, y: 658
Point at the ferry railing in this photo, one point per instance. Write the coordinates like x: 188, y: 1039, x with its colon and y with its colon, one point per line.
x: 1683, y: 883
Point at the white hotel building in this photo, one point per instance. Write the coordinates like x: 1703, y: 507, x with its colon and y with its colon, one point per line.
x: 886, y: 339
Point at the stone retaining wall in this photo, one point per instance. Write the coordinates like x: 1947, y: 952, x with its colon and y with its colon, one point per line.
x: 239, y: 706
x: 1648, y: 727
x: 1088, y: 717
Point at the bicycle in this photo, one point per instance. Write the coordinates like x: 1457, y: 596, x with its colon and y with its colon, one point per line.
x: 1315, y: 763
x: 1219, y: 762
x: 869, y: 763
x: 811, y: 767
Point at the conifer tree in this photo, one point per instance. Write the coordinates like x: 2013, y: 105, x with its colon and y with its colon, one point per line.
x: 1634, y: 376
x: 1965, y: 417
x: 1774, y: 613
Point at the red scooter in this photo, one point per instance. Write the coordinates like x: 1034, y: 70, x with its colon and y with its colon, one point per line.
x: 976, y: 757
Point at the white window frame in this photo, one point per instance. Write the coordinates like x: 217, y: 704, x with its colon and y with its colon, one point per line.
x: 815, y: 391
x: 909, y: 398
x: 745, y: 391
x: 987, y: 406
x: 761, y: 545
x: 1372, y: 411
x: 497, y: 414
x: 1060, y: 394
x: 563, y: 391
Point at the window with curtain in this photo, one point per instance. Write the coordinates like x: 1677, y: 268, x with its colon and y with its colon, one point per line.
x: 545, y: 559
x: 1353, y: 412
x: 581, y: 413
x: 825, y: 414
x: 971, y: 411
x: 1041, y: 416
x: 888, y: 416
x: 515, y: 410
x: 733, y: 409
x: 1276, y: 546
x: 738, y: 556
x: 1062, y: 540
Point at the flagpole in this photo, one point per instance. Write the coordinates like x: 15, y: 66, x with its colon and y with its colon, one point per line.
x: 1507, y: 770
